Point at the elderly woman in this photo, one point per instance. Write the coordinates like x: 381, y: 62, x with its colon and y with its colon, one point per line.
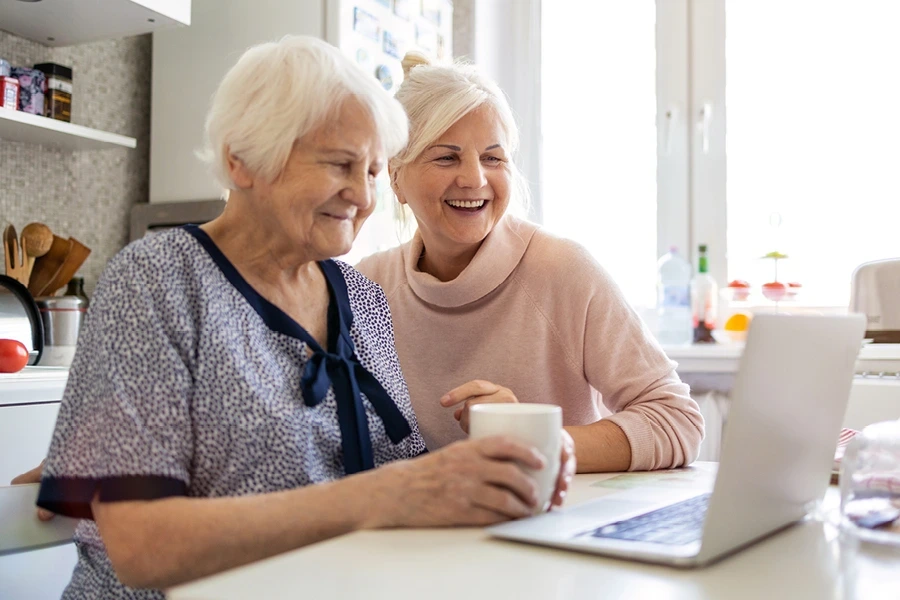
x: 225, y: 368
x: 495, y: 309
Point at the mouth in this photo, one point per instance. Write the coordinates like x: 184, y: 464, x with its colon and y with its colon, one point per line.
x: 467, y: 206
x: 339, y: 217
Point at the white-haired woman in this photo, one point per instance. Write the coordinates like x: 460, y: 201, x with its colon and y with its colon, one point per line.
x: 495, y: 309
x: 225, y: 368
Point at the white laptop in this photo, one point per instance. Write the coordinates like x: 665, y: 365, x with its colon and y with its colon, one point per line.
x: 788, y: 402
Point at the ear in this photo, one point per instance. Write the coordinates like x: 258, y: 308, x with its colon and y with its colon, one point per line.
x: 238, y: 172
x: 394, y: 175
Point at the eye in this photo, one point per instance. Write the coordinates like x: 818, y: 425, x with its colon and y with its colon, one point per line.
x: 446, y: 158
x: 344, y: 166
x: 493, y: 159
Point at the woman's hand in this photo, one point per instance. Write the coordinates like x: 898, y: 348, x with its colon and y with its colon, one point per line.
x: 33, y: 476
x: 476, y: 391
x: 566, y: 468
x: 472, y: 482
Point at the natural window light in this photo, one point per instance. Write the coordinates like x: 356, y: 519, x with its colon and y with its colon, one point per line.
x: 599, y: 134
x: 813, y: 120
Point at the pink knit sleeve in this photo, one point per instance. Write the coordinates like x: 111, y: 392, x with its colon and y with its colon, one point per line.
x: 637, y: 381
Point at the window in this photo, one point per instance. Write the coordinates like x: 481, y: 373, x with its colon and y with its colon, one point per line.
x: 599, y: 134
x: 813, y: 123
x: 636, y: 98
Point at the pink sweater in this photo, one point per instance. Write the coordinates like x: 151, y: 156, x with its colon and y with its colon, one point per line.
x: 537, y: 314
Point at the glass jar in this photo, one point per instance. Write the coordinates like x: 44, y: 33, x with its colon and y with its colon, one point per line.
x: 57, y: 91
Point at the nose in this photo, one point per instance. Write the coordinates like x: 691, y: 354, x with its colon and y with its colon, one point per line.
x: 360, y: 193
x: 471, y: 175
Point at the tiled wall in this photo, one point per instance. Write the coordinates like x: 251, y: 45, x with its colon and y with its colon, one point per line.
x: 85, y: 195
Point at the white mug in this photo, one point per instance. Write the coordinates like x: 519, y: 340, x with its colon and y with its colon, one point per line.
x: 537, y: 425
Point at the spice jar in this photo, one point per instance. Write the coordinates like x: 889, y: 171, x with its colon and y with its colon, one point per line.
x: 9, y: 87
x: 31, y: 89
x: 57, y: 91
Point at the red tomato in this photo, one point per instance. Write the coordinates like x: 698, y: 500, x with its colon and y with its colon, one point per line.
x: 738, y: 283
x: 13, y: 356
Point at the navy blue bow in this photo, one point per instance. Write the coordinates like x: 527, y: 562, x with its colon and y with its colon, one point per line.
x: 342, y: 371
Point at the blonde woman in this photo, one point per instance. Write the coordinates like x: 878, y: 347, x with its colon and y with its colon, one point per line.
x: 230, y: 376
x: 491, y: 307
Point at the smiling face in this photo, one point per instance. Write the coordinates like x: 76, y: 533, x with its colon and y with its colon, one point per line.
x: 458, y: 188
x: 327, y: 188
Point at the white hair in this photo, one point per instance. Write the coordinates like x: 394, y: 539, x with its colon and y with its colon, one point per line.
x: 280, y: 91
x: 437, y: 96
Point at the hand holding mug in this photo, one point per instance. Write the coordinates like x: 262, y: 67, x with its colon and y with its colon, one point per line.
x: 540, y: 427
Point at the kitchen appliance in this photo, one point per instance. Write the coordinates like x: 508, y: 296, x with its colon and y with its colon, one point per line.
x: 20, y: 319
x: 151, y: 218
x: 61, y: 317
x: 875, y: 292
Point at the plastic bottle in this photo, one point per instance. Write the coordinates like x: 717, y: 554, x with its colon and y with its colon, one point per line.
x: 673, y: 299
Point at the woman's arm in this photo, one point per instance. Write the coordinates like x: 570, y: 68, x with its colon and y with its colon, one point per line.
x: 161, y: 543
x: 601, y: 447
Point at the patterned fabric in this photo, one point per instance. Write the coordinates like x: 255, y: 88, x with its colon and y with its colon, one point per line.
x: 188, y: 382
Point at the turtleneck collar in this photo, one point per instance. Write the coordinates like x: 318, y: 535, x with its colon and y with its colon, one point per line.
x: 497, y: 257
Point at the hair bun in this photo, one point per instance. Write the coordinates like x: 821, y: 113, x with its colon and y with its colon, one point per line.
x: 413, y: 59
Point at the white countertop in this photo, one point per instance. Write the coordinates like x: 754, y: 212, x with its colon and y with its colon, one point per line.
x: 33, y: 385
x: 724, y: 358
x: 805, y: 562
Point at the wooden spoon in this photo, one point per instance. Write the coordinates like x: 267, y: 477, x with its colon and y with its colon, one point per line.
x: 36, y: 241
x: 47, y: 266
x: 74, y: 258
x: 15, y: 267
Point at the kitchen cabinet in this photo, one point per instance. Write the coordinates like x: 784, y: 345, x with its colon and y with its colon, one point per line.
x: 67, y: 23
x: 29, y: 403
x: 189, y: 63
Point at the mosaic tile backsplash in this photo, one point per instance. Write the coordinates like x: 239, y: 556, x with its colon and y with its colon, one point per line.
x: 86, y: 195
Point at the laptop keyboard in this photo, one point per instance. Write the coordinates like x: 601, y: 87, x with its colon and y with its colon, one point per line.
x: 680, y: 523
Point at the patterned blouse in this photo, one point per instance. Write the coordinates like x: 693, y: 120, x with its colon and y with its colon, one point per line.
x: 186, y: 382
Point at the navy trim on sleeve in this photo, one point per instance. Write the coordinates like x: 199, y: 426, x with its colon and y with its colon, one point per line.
x: 72, y: 496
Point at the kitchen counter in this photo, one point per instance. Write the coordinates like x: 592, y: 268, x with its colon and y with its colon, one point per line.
x: 874, y: 359
x: 33, y: 385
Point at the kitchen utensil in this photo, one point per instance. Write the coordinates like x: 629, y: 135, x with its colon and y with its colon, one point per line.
x: 47, y: 266
x: 15, y: 266
x: 62, y: 317
x: 37, y: 238
x: 36, y: 241
x: 19, y: 317
x: 76, y: 256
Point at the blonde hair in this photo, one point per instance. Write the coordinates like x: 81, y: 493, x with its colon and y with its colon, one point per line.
x: 280, y: 91
x: 437, y: 96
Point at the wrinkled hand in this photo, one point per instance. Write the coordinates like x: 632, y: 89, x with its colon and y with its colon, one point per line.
x: 474, y: 392
x: 472, y: 482
x: 34, y: 476
x: 566, y: 468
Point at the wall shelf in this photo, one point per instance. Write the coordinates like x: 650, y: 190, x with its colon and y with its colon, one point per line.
x: 68, y: 22
x: 18, y: 126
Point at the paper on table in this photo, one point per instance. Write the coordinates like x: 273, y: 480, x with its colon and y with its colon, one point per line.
x: 684, y: 478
